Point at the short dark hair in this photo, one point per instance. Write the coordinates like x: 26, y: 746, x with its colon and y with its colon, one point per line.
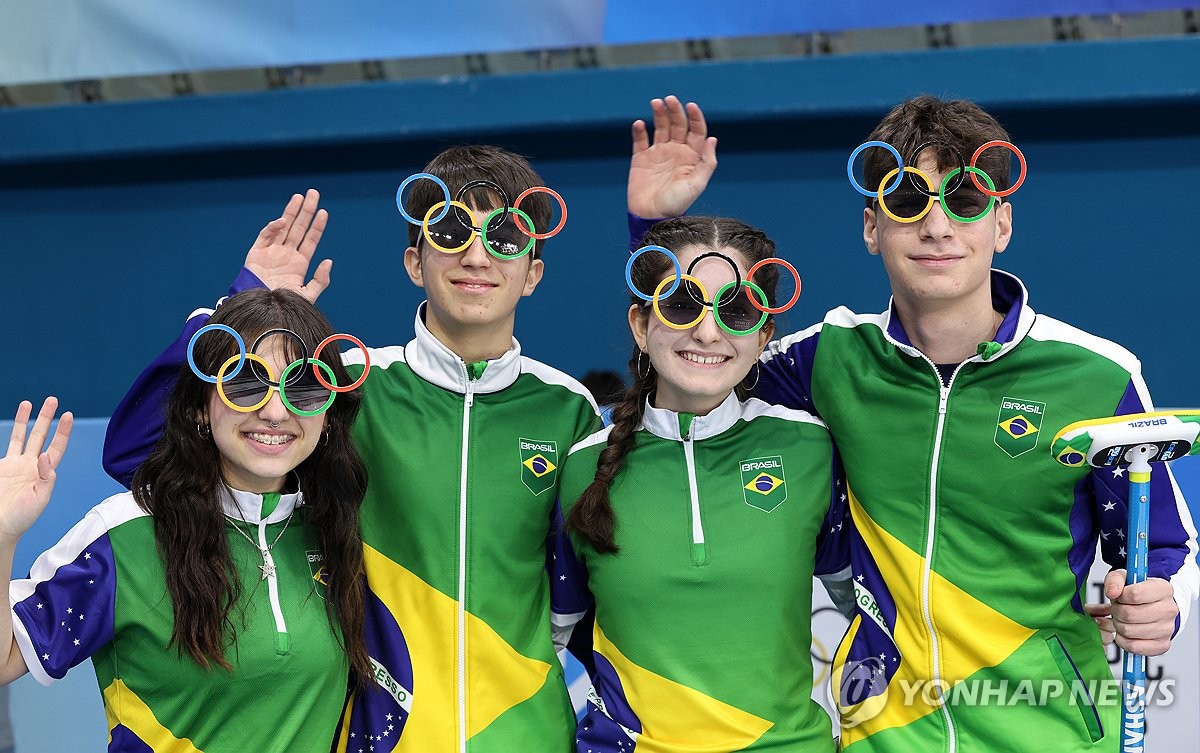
x: 459, y: 165
x: 954, y: 128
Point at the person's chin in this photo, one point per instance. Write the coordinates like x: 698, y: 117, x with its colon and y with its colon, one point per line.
x: 702, y: 385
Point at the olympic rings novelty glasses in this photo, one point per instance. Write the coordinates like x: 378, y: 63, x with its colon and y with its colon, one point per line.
x: 910, y: 201
x: 451, y: 232
x: 680, y: 302
x: 304, y: 391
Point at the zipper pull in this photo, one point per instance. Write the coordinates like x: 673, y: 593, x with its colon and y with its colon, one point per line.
x: 942, y: 401
x: 474, y: 371
x: 685, y: 425
x: 988, y: 349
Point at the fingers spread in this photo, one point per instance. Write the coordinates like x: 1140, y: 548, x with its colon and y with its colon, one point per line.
x: 319, y: 282
x: 677, y: 119
x: 62, y: 434
x: 698, y: 130
x: 16, y: 443
x: 308, y: 246
x: 661, y: 121
x: 641, y: 137
x: 291, y: 209
x: 270, y: 232
x: 45, y: 467
x: 41, y: 427
x: 304, y: 218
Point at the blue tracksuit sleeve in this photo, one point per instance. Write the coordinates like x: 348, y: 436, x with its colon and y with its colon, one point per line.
x: 1172, y: 542
x: 570, y: 598
x: 638, y: 227
x: 137, y: 422
x: 786, y: 371
x: 832, y: 564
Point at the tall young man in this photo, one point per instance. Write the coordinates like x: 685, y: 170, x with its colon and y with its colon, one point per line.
x: 971, y: 548
x: 462, y: 436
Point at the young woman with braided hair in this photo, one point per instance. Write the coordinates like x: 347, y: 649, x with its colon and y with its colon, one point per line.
x: 698, y: 519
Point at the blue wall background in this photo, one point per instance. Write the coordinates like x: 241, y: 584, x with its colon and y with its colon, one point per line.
x: 116, y: 220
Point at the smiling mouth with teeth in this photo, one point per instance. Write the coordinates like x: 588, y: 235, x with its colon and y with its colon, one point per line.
x: 270, y: 438
x: 708, y: 360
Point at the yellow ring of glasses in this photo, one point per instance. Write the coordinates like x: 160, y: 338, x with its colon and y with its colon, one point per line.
x: 432, y: 242
x: 883, y: 204
x: 221, y: 383
x: 682, y: 279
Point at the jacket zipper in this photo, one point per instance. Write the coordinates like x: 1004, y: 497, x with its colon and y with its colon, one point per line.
x: 282, y: 640
x: 468, y: 401
x: 927, y: 566
x: 699, y: 549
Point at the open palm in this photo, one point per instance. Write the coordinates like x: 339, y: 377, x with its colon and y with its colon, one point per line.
x: 667, y: 175
x: 284, y: 248
x: 26, y: 473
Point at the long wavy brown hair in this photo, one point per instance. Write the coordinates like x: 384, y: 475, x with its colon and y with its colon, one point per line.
x: 179, y: 485
x: 592, y: 517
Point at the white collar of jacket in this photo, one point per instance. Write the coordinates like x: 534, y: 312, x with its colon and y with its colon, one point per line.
x: 665, y: 423
x: 1008, y: 295
x: 431, y: 360
x: 247, y: 506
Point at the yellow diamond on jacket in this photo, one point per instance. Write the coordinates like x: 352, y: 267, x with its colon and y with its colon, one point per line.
x: 1018, y: 424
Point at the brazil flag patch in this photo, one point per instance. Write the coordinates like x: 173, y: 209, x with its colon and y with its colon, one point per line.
x: 1019, y: 425
x: 763, y: 482
x: 539, y: 464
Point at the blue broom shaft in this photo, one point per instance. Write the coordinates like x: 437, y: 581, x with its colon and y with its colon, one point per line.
x: 1133, y: 712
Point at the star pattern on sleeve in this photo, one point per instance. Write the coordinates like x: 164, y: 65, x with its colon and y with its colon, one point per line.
x: 59, y: 640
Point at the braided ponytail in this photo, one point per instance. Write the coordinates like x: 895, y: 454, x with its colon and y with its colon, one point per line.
x: 592, y: 516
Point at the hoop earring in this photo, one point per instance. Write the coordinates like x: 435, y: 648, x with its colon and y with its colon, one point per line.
x: 324, y: 438
x: 640, y: 373
x: 203, y: 430
x: 757, y: 374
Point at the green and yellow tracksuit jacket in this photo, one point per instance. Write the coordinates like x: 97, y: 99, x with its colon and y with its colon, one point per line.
x: 971, y: 546
x: 101, y: 593
x: 702, y: 630
x: 463, y: 461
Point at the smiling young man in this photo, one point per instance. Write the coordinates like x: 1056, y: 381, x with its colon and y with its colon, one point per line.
x: 463, y: 437
x: 971, y: 548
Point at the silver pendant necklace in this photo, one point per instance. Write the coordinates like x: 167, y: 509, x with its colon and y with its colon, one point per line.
x: 268, y: 565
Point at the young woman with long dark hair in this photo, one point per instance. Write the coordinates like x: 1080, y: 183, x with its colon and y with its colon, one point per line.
x: 221, y: 601
x: 700, y: 517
